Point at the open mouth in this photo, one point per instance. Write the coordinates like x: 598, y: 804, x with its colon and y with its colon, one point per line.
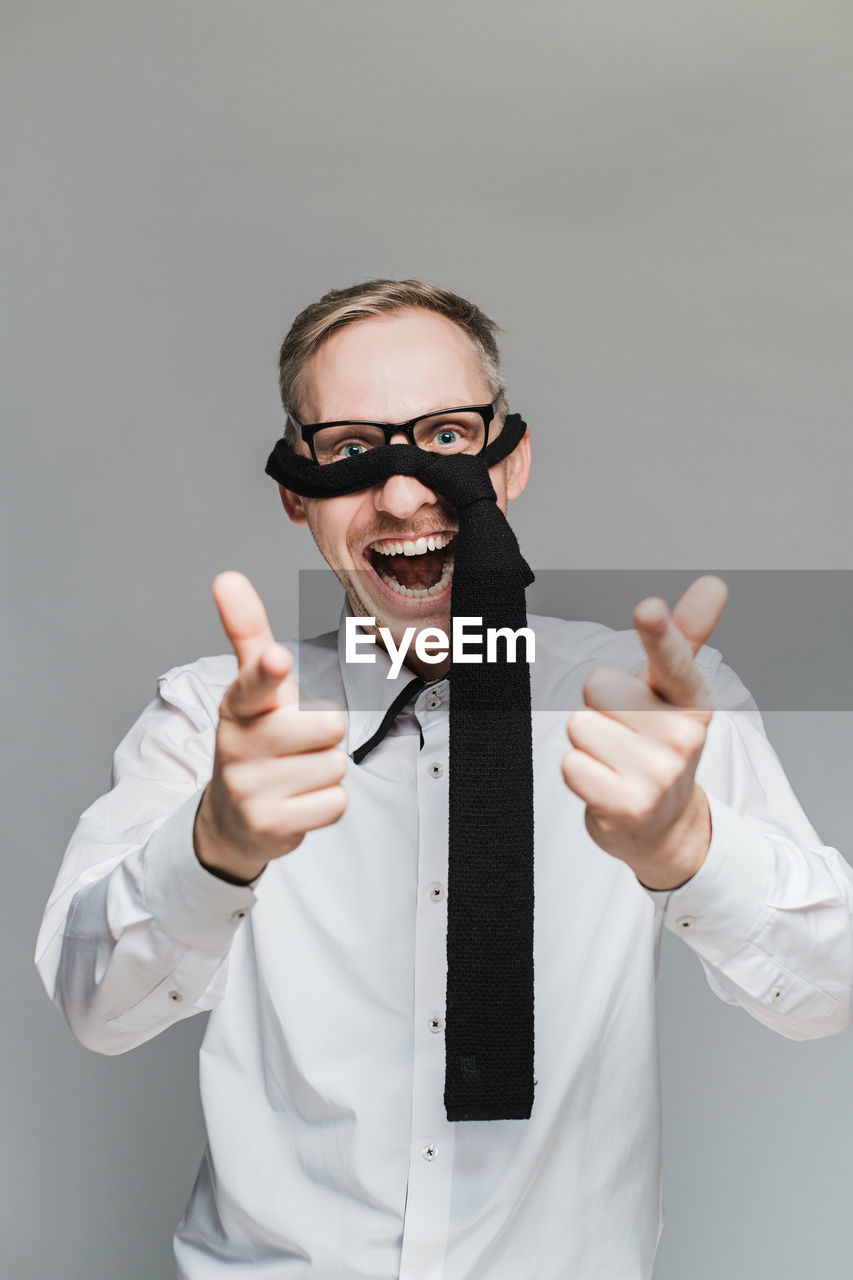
x: 419, y: 569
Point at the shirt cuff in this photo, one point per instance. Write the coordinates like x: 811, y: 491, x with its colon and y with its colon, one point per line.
x: 190, y: 904
x: 725, y: 903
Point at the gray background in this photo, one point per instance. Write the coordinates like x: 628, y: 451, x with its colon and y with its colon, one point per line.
x: 655, y: 202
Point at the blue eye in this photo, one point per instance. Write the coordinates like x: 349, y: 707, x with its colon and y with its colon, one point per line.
x: 353, y: 450
x: 447, y: 436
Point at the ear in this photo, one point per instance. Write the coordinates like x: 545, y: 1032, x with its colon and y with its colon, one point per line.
x: 293, y: 505
x: 518, y: 467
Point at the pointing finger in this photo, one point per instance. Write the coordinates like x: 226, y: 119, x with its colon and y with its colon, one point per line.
x: 699, y: 609
x: 262, y: 683
x: 670, y: 670
x: 671, y: 641
x: 243, y: 616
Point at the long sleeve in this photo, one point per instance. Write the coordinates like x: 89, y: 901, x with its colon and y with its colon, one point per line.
x: 136, y: 933
x: 770, y: 912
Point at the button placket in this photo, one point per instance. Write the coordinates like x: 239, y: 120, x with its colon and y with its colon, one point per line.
x: 427, y: 1213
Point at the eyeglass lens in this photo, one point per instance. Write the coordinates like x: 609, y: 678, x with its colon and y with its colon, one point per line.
x: 459, y: 432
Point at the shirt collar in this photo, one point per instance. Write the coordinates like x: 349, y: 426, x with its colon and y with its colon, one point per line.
x: 368, y: 690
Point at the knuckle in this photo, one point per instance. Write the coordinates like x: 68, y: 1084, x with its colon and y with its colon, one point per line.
x: 671, y: 773
x: 338, y: 763
x: 302, y: 730
x: 256, y: 817
x: 666, y: 777
x: 321, y: 727
x: 336, y: 723
x: 338, y: 800
x: 682, y: 668
x: 282, y: 730
x: 662, y: 766
x: 605, y: 824
x: 640, y: 802
x: 596, y: 684
x: 569, y: 761
x: 232, y: 707
x: 685, y: 735
x: 228, y: 741
x: 236, y: 782
x: 285, y: 843
x: 579, y: 724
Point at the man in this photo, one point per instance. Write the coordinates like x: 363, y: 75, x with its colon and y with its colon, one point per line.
x: 287, y: 868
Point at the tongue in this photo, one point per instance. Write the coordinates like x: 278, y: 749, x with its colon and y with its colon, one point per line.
x: 415, y: 571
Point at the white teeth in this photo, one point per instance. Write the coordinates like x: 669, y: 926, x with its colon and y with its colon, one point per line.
x: 434, y: 542
x: 417, y: 547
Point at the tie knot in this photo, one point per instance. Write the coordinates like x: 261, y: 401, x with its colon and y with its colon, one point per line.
x: 461, y: 478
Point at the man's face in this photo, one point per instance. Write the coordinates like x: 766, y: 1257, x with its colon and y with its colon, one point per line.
x: 389, y: 369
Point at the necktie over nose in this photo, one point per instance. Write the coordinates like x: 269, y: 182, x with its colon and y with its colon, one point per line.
x: 489, y: 1013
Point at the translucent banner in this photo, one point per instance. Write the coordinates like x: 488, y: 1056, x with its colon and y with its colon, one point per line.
x: 787, y: 633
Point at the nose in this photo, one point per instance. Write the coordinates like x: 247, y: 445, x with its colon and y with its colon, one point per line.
x: 403, y: 496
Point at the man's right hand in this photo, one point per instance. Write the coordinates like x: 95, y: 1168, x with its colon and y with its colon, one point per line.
x: 278, y: 767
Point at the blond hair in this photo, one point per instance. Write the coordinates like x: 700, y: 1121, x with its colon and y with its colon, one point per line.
x: 342, y: 307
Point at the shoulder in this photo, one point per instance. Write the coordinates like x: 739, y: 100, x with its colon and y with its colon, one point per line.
x: 196, y: 688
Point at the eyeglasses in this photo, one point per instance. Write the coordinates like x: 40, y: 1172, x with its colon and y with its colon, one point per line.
x: 463, y: 430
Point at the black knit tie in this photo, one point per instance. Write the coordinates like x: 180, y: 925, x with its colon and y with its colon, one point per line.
x: 489, y: 1023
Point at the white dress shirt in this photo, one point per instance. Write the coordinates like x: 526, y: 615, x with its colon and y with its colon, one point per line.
x: 322, y: 1068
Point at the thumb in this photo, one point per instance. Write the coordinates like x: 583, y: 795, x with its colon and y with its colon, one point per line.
x: 243, y: 616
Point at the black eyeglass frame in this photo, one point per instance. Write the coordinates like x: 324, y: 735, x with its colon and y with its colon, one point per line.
x: 486, y: 411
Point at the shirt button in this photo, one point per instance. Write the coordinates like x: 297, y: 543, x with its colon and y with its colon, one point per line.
x: 685, y: 922
x: 433, y: 700
x: 436, y: 892
x: 435, y: 770
x: 436, y: 1024
x: 429, y: 1152
x: 175, y: 995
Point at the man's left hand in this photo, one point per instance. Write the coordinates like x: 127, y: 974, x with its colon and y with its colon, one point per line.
x: 638, y: 741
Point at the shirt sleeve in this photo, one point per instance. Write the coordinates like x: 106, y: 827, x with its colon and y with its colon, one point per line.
x: 136, y: 932
x: 770, y: 912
